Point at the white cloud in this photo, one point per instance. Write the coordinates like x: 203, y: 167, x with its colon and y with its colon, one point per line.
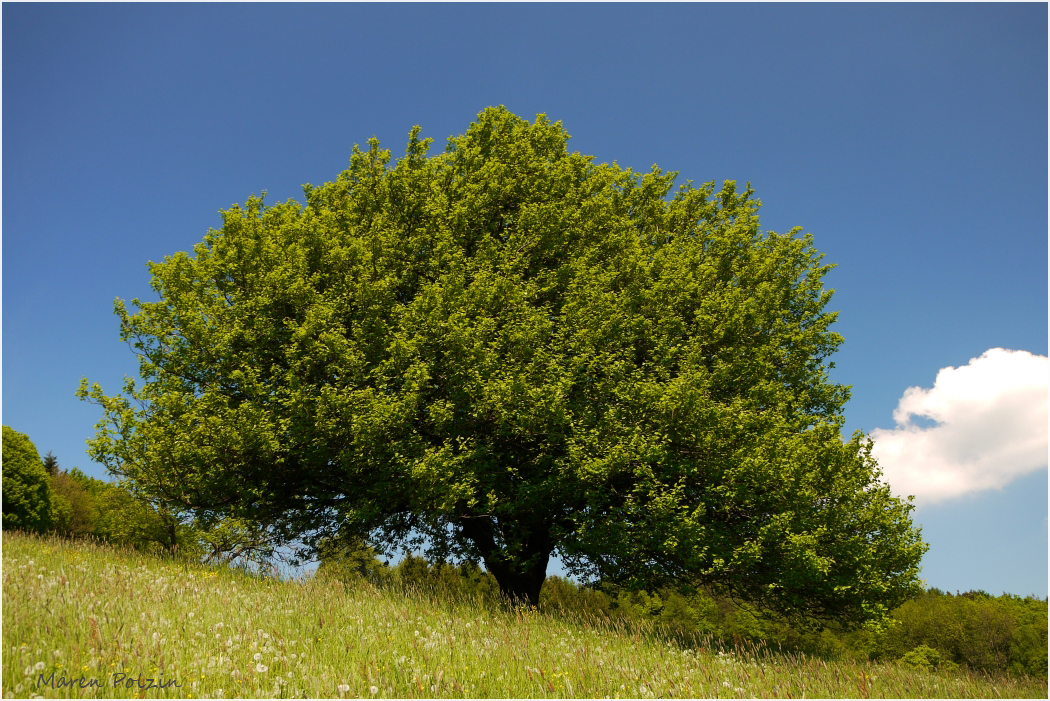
x: 991, y: 428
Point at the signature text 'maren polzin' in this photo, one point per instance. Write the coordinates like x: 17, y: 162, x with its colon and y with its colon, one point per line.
x: 118, y: 679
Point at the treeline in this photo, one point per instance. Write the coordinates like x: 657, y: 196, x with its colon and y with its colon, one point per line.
x: 40, y: 497
x: 996, y: 634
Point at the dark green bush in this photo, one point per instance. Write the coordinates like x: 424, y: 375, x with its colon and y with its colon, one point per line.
x: 1004, y: 633
x: 27, y: 497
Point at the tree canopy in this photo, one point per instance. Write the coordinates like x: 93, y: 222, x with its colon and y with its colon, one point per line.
x: 507, y: 350
x: 27, y: 496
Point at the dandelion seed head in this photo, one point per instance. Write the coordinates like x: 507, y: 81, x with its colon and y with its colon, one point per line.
x: 373, y: 690
x: 343, y: 688
x: 261, y: 668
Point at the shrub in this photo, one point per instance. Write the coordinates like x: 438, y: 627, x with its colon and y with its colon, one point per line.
x: 925, y: 657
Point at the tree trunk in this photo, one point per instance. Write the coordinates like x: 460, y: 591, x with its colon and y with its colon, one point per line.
x: 520, y: 574
x: 170, y: 526
x: 520, y: 582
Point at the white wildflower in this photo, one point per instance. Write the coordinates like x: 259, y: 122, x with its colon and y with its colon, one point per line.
x: 261, y: 668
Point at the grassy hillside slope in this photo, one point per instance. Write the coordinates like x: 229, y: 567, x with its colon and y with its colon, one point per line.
x: 92, y: 615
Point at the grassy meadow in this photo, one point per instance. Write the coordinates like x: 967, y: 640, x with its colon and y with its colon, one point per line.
x: 81, y: 617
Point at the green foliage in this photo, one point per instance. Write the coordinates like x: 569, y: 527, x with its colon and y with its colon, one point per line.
x: 77, y: 510
x: 233, y: 540
x: 561, y: 596
x: 351, y: 560
x: 975, y: 629
x: 926, y: 658
x: 934, y: 631
x: 27, y: 496
x: 464, y: 581
x: 89, y: 507
x: 507, y: 350
x: 40, y: 497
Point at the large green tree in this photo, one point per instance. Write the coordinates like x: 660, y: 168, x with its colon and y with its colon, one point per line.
x: 509, y: 350
x: 26, y: 489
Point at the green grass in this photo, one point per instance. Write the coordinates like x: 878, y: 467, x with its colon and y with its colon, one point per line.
x: 85, y: 611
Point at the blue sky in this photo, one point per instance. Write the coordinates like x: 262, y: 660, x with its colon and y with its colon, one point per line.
x: 911, y: 140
